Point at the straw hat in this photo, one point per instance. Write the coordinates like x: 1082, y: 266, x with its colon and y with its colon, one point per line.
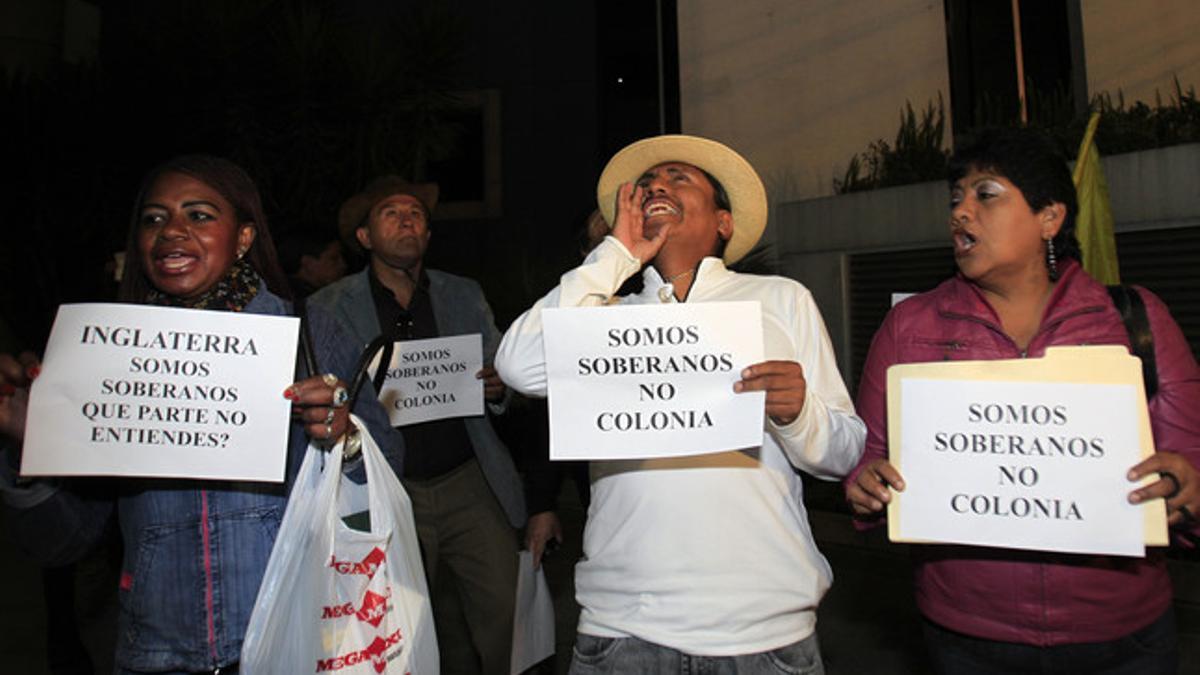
x: 353, y: 213
x: 746, y: 193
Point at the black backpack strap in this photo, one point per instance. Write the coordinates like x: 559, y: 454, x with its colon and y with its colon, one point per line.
x: 1132, y: 309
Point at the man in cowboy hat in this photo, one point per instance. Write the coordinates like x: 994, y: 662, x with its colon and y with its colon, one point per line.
x: 704, y: 561
x: 466, y: 493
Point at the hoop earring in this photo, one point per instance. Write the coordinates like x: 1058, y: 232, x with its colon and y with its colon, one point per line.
x: 1051, y: 260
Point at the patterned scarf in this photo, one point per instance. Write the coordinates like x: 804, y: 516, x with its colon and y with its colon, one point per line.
x: 231, y: 294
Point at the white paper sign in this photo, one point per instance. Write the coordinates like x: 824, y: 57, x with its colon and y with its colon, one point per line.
x: 133, y: 390
x: 1020, y: 465
x: 434, y: 379
x: 533, y: 620
x: 645, y: 381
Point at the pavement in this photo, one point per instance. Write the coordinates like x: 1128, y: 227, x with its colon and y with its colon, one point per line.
x: 867, y: 623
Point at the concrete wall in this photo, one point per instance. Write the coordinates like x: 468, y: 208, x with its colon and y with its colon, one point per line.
x: 799, y: 87
x: 1140, y: 47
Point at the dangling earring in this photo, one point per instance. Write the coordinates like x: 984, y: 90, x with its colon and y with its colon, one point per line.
x: 1051, y: 260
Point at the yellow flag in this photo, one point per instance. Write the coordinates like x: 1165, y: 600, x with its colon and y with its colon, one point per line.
x: 1094, y: 224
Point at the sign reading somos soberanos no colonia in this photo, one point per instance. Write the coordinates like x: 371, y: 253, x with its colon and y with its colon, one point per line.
x: 646, y: 381
x: 135, y: 390
x: 433, y: 379
x: 1028, y: 453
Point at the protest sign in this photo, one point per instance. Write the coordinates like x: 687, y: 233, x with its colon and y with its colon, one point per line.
x: 433, y: 379
x: 642, y: 381
x: 1029, y: 453
x: 134, y: 390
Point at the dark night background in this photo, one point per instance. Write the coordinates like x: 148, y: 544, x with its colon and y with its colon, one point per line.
x: 316, y: 98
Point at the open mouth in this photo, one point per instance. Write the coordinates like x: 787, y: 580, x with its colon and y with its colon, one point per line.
x: 963, y: 242
x: 659, y: 207
x: 174, y: 262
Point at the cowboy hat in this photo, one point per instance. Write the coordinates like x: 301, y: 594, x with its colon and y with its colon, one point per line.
x: 353, y: 213
x: 747, y: 196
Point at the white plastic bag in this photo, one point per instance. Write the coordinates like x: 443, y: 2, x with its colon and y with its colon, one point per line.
x: 335, y: 599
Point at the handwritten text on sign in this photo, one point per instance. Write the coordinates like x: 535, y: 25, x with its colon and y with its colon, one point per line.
x: 131, y: 390
x: 1020, y: 465
x: 652, y: 380
x: 434, y: 379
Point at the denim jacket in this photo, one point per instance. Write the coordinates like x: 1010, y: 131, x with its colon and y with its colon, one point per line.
x: 195, y: 551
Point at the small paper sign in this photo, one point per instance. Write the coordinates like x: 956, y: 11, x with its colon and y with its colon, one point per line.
x: 628, y: 382
x: 134, y: 390
x: 434, y: 379
x: 1034, y: 462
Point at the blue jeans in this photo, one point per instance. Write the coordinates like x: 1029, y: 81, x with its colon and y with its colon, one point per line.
x: 1152, y: 650
x: 631, y: 656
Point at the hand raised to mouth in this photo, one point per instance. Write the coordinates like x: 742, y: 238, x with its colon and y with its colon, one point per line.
x: 631, y: 219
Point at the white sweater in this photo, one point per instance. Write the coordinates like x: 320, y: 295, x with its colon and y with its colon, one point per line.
x: 710, y: 554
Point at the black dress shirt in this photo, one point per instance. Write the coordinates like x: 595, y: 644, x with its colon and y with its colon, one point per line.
x: 436, y: 447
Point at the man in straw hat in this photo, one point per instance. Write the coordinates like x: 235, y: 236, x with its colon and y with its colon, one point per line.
x: 467, y: 496
x: 703, y: 562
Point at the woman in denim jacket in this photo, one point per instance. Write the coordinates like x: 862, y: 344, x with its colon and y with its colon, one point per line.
x: 195, y: 550
x: 1021, y: 289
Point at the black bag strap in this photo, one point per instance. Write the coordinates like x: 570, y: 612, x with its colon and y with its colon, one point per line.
x: 1132, y: 309
x: 381, y: 344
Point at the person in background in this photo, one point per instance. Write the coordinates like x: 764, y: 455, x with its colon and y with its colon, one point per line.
x: 467, y: 496
x: 1020, y: 288
x: 194, y: 550
x: 311, y: 262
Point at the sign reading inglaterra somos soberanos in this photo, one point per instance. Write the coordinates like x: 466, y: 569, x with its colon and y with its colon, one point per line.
x: 130, y: 390
x: 1030, y: 454
x: 646, y: 381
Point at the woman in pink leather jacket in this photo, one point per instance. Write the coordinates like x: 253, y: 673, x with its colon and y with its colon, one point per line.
x: 1020, y: 289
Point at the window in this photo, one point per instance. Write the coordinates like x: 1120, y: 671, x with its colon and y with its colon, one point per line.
x: 981, y: 46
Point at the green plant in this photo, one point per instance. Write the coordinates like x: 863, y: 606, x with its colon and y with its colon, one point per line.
x: 916, y: 155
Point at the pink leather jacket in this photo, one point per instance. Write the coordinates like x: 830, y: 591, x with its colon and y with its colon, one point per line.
x: 1023, y: 596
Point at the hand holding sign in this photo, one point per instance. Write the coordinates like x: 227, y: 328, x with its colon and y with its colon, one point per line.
x: 785, y: 386
x: 313, y: 402
x: 869, y: 493
x: 493, y: 386
x: 1179, y: 485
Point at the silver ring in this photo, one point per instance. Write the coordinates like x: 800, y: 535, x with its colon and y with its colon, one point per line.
x: 329, y: 416
x: 330, y: 379
x: 328, y: 431
x: 340, y: 396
